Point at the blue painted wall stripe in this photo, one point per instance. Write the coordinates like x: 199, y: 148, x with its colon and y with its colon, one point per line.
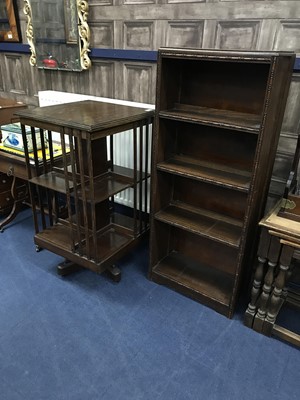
x: 113, y: 54
x: 14, y: 47
x: 120, y: 54
x: 297, y: 64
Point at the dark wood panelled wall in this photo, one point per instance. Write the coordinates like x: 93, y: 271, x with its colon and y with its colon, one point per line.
x: 146, y: 25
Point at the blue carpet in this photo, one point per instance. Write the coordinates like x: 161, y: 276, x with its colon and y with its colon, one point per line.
x: 83, y: 337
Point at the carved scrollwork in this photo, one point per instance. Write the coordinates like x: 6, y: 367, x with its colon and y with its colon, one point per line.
x: 84, y: 33
x: 29, y: 32
x: 79, y: 40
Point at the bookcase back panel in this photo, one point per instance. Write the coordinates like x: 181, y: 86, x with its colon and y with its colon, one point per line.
x: 163, y: 193
x: 172, y: 188
x: 210, y: 197
x: 168, y: 90
x: 204, y: 251
x: 238, y: 86
x: 161, y: 243
x: 208, y: 144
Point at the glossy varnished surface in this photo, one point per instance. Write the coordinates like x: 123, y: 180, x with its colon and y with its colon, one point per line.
x: 86, y: 115
x: 207, y: 172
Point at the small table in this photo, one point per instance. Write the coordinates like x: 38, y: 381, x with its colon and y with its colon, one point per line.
x: 12, y: 166
x: 280, y: 238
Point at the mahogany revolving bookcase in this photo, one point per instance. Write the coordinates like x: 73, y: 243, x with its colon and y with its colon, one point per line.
x: 89, y: 231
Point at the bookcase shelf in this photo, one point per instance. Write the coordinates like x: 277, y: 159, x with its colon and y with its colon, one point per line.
x: 105, y: 185
x: 52, y: 180
x: 217, y: 123
x: 215, y: 117
x: 195, y: 279
x: 202, y: 222
x: 208, y: 172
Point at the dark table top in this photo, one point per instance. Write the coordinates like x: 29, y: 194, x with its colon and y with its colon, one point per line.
x: 86, y: 115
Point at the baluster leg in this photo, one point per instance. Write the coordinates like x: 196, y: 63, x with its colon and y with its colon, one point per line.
x: 273, y: 256
x: 259, y: 274
x: 276, y: 297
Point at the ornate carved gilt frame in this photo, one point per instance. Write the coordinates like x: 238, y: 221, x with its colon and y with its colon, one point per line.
x: 83, y: 30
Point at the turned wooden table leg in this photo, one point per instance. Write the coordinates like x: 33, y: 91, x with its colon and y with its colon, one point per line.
x: 280, y: 281
x: 263, y: 248
x: 273, y: 256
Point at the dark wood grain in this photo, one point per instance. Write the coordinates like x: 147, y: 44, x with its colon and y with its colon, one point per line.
x: 208, y: 172
x: 89, y: 234
x: 58, y: 239
x: 218, y: 119
x: 215, y: 117
x: 196, y: 277
x: 105, y: 187
x: 202, y: 222
x: 51, y: 180
x: 88, y: 115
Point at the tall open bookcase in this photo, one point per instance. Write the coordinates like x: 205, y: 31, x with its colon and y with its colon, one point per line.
x: 218, y: 119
